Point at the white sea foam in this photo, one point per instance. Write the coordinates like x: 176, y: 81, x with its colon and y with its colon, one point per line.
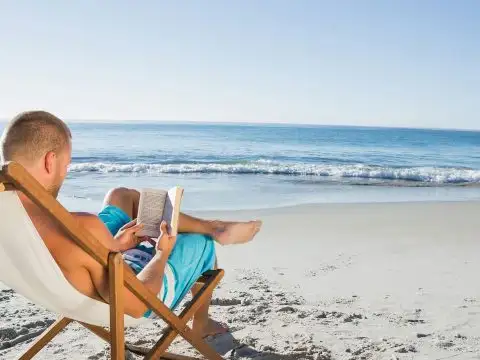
x: 429, y: 175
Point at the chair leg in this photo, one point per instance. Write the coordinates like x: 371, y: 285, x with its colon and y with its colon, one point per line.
x: 159, y: 350
x: 105, y: 335
x: 45, y: 338
x: 162, y: 345
x: 117, y: 331
x: 97, y: 330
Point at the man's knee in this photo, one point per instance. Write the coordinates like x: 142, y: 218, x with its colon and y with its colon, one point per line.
x: 118, y: 193
x: 122, y: 194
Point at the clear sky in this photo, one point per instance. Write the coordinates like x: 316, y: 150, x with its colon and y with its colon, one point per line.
x: 390, y: 63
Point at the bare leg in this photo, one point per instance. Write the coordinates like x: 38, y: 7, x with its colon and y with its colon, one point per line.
x: 190, y: 224
x: 224, y: 233
x: 202, y: 324
x: 125, y: 199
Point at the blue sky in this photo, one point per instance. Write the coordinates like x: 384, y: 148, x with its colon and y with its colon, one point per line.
x: 388, y: 63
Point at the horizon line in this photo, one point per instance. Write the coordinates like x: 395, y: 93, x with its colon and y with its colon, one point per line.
x: 207, y: 122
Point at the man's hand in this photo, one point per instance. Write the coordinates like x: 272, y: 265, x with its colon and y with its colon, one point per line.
x: 165, y: 242
x: 126, y: 237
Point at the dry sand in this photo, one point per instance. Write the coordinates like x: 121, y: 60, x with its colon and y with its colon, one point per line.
x: 338, y: 281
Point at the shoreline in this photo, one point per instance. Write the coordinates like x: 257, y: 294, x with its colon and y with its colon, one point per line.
x: 273, y: 210
x: 93, y: 206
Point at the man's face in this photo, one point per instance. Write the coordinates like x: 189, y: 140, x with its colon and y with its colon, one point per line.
x: 59, y: 170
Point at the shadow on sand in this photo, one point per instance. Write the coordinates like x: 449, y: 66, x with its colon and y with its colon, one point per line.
x: 230, y: 348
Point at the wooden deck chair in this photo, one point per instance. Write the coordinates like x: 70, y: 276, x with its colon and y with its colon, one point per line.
x: 27, y: 266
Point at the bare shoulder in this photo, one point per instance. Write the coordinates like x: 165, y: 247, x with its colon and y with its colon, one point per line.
x: 96, y: 227
x: 93, y: 224
x: 85, y: 218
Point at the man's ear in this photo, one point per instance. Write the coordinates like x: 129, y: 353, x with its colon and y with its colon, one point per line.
x: 50, y: 161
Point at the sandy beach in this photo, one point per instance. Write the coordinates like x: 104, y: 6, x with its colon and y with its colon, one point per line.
x: 350, y: 128
x: 338, y: 281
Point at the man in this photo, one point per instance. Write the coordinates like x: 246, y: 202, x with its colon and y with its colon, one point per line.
x: 42, y: 144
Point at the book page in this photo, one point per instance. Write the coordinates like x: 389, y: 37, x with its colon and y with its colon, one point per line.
x: 172, y: 209
x: 150, y: 211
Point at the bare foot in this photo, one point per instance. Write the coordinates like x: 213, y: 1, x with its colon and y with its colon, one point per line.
x: 211, y: 328
x: 228, y: 233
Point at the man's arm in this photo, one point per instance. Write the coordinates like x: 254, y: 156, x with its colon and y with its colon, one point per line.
x: 93, y: 224
x: 151, y: 276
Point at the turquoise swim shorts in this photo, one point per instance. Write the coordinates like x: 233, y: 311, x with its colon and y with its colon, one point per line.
x: 114, y: 218
x: 192, y: 255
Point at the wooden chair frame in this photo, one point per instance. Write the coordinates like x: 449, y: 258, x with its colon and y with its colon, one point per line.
x: 14, y: 177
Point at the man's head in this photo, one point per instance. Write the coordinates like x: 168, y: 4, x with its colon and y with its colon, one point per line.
x: 40, y: 142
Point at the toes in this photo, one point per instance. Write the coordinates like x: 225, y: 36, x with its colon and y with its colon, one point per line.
x: 257, y: 225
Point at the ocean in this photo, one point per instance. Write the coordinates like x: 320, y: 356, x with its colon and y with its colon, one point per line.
x: 228, y: 167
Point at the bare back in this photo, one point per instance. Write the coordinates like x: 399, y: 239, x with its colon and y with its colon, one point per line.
x: 76, y: 264
x: 83, y: 272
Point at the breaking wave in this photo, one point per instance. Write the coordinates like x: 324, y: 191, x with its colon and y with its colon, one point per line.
x: 427, y: 175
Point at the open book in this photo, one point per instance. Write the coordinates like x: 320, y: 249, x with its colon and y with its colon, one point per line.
x: 157, y: 205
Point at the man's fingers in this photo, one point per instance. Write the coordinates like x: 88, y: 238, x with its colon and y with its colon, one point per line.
x: 163, y: 227
x: 135, y: 228
x: 129, y: 224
